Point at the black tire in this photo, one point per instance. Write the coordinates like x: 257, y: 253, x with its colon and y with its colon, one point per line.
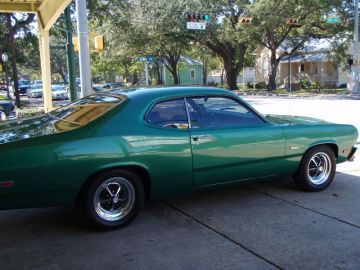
x: 102, y: 215
x: 317, y: 169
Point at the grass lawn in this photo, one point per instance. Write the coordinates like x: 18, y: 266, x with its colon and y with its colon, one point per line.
x: 295, y: 92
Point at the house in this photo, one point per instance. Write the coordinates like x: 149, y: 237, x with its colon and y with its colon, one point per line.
x: 189, y: 72
x: 312, y: 62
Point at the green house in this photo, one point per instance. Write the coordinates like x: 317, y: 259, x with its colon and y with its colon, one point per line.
x: 189, y: 72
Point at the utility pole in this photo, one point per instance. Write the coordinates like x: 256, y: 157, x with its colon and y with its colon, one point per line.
x: 147, y: 73
x: 243, y: 77
x: 84, y: 56
x: 5, y: 58
x: 355, y: 89
x: 70, y: 56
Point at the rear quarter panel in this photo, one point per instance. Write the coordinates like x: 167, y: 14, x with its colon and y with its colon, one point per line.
x: 300, y: 138
x: 51, y: 170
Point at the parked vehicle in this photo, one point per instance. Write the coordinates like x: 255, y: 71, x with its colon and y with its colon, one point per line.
x: 24, y: 85
x: 108, y: 86
x: 35, y: 91
x: 59, y: 92
x: 7, y: 108
x: 108, y: 151
x: 3, y: 86
x: 37, y: 82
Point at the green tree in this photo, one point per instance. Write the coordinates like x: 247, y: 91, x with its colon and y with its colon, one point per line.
x: 271, y: 30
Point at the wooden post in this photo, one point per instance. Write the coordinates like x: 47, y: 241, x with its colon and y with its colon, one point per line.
x: 44, y: 47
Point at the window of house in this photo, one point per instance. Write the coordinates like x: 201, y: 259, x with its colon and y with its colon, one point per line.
x: 220, y: 112
x: 302, y: 67
x: 192, y: 73
x: 168, y: 114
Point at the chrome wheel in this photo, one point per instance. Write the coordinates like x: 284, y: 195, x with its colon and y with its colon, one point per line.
x: 114, y: 199
x: 319, y: 168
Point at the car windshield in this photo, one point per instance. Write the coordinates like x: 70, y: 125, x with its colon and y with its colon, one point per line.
x: 66, y: 118
x: 24, y: 82
x: 57, y: 87
x: 34, y: 87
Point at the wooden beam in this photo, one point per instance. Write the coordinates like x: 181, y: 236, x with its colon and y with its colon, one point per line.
x: 18, y: 7
x: 50, y: 10
x: 44, y: 47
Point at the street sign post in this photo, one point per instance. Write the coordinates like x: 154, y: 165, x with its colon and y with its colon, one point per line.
x: 196, y: 25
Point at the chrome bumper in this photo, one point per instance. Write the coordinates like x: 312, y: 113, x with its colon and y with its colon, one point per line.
x: 352, y: 154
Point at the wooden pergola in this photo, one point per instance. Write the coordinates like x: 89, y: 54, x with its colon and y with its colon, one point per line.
x: 47, y: 12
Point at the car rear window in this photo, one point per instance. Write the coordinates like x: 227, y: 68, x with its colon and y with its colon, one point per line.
x: 69, y: 117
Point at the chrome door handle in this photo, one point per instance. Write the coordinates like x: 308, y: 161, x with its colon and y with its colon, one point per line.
x: 196, y: 139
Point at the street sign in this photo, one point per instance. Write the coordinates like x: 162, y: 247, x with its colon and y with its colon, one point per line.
x: 147, y: 58
x: 333, y: 20
x: 196, y: 25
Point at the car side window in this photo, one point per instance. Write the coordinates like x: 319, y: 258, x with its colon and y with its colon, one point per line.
x: 168, y: 114
x: 220, y: 112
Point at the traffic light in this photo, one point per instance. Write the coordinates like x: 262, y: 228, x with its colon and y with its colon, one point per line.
x: 245, y: 20
x: 205, y: 18
x: 197, y: 17
x: 99, y: 43
x: 75, y: 41
x: 292, y: 21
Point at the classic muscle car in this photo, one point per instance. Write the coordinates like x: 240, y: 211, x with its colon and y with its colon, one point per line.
x: 109, y: 151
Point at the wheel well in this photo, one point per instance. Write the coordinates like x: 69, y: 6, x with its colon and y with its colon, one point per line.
x: 332, y: 146
x: 140, y: 171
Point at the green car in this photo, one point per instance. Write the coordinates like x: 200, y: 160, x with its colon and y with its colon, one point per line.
x: 110, y: 151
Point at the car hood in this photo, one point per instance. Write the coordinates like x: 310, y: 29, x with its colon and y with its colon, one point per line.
x: 59, y: 92
x: 36, y: 91
x: 294, y: 120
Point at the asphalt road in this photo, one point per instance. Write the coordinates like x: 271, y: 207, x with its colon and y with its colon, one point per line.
x: 269, y: 225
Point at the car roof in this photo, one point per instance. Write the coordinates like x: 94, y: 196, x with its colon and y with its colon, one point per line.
x: 167, y: 92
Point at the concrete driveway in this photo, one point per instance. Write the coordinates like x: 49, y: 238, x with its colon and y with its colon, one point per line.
x: 257, y: 226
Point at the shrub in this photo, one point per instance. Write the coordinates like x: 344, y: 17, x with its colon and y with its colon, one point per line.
x: 29, y: 112
x: 259, y: 85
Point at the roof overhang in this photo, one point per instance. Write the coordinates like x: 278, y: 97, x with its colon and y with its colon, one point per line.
x: 47, y: 10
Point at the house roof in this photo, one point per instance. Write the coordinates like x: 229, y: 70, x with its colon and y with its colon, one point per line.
x: 310, y: 46
x: 186, y: 60
x: 310, y: 57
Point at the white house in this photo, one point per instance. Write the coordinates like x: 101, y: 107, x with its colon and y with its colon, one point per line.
x: 311, y: 62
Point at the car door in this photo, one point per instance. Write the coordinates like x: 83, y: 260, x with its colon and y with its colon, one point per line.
x: 230, y: 142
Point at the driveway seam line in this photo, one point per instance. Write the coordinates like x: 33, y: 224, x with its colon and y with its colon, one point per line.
x: 221, y: 234
x: 304, y: 207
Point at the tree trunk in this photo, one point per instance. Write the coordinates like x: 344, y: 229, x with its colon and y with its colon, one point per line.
x: 274, y: 63
x: 159, y: 78
x: 13, y: 60
x: 233, y: 59
x: 175, y: 75
x: 232, y: 72
x: 171, y: 65
x: 135, y: 78
x: 205, y: 71
x: 222, y: 78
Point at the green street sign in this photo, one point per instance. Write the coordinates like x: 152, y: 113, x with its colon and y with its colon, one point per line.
x: 148, y: 58
x: 333, y: 20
